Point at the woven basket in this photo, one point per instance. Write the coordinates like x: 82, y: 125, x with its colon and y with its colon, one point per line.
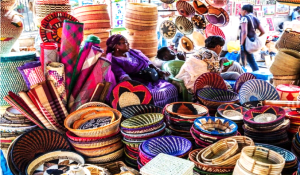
x: 75, y: 138
x: 54, y: 155
x: 89, y: 8
x: 220, y: 151
x: 11, y: 79
x: 186, y: 110
x: 97, y: 143
x: 286, y: 79
x: 106, y: 158
x: 142, y: 130
x: 100, y: 151
x: 289, y: 39
x: 145, y: 135
x: 93, y: 115
x: 52, y: 2
x: 142, y: 121
x: 97, y: 132
x: 44, y: 10
x: 251, y: 157
x: 93, y: 104
x: 287, y: 62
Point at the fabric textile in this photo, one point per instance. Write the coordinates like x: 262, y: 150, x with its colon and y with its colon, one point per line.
x: 56, y: 74
x: 32, y: 73
x: 97, y: 76
x: 88, y: 66
x: 84, y: 52
x: 72, y: 35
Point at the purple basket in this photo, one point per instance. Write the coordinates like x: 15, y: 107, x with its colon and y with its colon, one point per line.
x: 171, y: 145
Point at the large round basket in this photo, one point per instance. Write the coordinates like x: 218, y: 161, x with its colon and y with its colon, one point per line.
x: 185, y: 110
x: 134, y: 110
x: 97, y: 132
x: 142, y: 121
x: 215, y: 97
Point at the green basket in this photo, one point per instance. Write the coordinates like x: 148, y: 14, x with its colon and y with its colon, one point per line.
x: 10, y: 78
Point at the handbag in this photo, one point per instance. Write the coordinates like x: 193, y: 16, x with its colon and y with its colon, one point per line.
x: 253, y: 46
x: 148, y: 74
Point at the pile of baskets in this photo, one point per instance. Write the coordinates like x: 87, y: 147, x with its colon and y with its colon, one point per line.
x: 42, y: 8
x: 209, y: 130
x: 294, y: 117
x: 219, y: 157
x: 267, y: 124
x: 180, y: 117
x: 141, y: 23
x: 296, y: 144
x: 94, y: 132
x: 259, y: 160
x: 136, y: 130
x: 171, y: 145
x: 13, y: 124
x: 96, y: 21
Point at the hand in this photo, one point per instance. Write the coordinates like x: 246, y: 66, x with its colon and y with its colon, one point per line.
x: 181, y: 56
x: 163, y: 73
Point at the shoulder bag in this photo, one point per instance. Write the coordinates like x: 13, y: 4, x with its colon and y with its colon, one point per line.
x: 254, y: 46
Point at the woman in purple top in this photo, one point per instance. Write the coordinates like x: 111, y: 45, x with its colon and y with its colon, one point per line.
x: 132, y: 64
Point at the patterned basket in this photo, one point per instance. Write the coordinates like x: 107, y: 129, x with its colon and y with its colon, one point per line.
x: 75, y: 138
x: 146, y: 129
x: 97, y: 132
x: 135, y: 110
x: 286, y: 79
x: 289, y: 39
x: 142, y: 121
x: 106, y: 158
x: 100, y: 151
x: 185, y: 110
x: 215, y: 97
x: 209, y: 80
x: 52, y: 2
x: 145, y: 135
x: 172, y: 145
x: 9, y: 72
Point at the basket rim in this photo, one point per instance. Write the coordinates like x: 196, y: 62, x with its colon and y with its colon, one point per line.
x: 247, y: 116
x: 158, y: 115
x: 232, y: 93
x: 189, y: 116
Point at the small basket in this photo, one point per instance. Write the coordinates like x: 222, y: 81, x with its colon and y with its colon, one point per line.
x: 144, y: 129
x: 97, y: 132
x: 93, y: 104
x: 145, y: 135
x: 185, y: 110
x: 96, y: 152
x: 106, y: 158
x: 141, y: 121
x: 250, y: 156
x: 135, y: 110
x: 286, y: 79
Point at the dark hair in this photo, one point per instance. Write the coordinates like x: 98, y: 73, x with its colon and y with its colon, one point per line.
x: 213, y: 41
x: 248, y: 8
x: 297, y: 8
x: 161, y: 52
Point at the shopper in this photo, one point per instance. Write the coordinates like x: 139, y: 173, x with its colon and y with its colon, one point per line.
x: 249, y: 24
x: 295, y: 13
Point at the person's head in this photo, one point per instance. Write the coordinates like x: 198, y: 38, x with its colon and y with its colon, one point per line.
x: 165, y: 6
x: 215, y: 43
x: 166, y: 54
x: 297, y: 9
x: 117, y: 43
x: 246, y: 9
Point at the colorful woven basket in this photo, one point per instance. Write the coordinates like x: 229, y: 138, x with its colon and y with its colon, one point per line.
x: 209, y: 80
x: 45, y: 2
x: 9, y: 72
x: 135, y: 110
x: 241, y: 80
x: 185, y: 110
x: 142, y: 121
x: 232, y: 111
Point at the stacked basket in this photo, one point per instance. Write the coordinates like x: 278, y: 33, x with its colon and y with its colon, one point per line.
x: 13, y: 124
x: 220, y: 157
x: 180, y: 117
x: 141, y: 22
x: 94, y: 132
x: 171, y: 145
x: 294, y: 117
x: 137, y: 129
x: 259, y: 160
x: 209, y: 130
x: 42, y: 8
x: 296, y: 145
x: 267, y: 120
x: 96, y: 21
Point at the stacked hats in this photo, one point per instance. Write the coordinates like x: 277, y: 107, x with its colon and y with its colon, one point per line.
x: 270, y: 121
x: 42, y: 8
x: 141, y: 23
x: 137, y: 129
x: 13, y: 124
x: 180, y: 117
x: 291, y: 161
x: 294, y: 118
x: 234, y: 113
x: 171, y: 145
x: 209, y: 130
x: 94, y: 133
x: 219, y: 157
x: 96, y: 21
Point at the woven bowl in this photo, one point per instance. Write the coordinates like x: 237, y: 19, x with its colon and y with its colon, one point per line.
x: 216, y: 126
x: 144, y: 129
x: 53, y: 155
x: 96, y: 152
x: 265, y: 117
x: 135, y: 110
x: 145, y: 136
x: 106, y: 158
x: 97, y: 143
x: 232, y: 112
x: 131, y: 144
x: 185, y: 110
x: 93, y: 104
x: 97, y: 132
x: 17, y: 129
x: 288, y: 156
x: 172, y: 145
x: 215, y: 97
x: 142, y: 121
x: 75, y: 138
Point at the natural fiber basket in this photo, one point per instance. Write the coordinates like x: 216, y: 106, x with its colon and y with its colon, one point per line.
x: 185, y: 110
x: 142, y: 130
x: 145, y: 135
x: 287, y: 62
x: 100, y: 151
x: 75, y: 138
x: 97, y: 143
x: 135, y: 110
x: 93, y: 104
x: 52, y: 1
x: 286, y: 79
x: 47, y: 157
x: 106, y: 158
x: 252, y: 156
x: 89, y: 8
x: 289, y: 39
x: 220, y: 151
x: 49, y: 8
x: 142, y: 121
x: 97, y: 132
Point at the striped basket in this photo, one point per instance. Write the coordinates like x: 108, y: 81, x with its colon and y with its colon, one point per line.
x: 52, y: 2
x: 10, y: 78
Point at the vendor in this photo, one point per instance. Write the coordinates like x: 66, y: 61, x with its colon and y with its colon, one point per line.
x: 165, y: 54
x: 207, y: 60
x: 130, y: 64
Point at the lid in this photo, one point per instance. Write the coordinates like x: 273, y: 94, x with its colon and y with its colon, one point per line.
x: 17, y: 56
x: 288, y: 88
